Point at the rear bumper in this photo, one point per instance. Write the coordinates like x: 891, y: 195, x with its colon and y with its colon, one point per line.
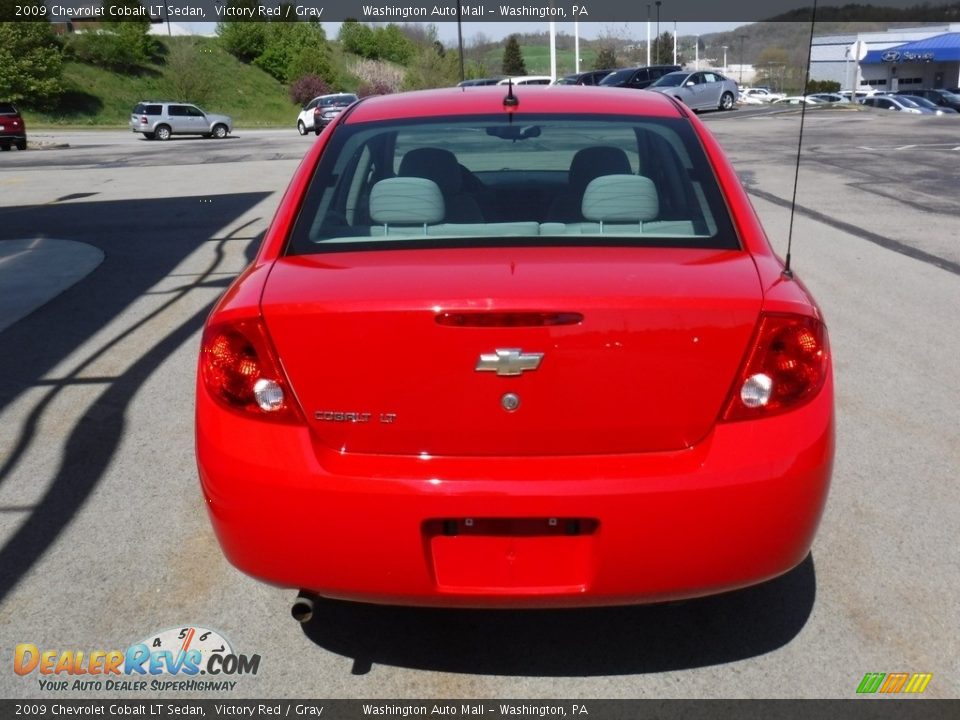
x: 739, y: 508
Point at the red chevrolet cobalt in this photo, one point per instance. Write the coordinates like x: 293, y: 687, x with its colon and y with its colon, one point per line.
x: 515, y: 347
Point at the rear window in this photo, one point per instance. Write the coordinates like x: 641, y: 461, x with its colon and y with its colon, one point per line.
x: 338, y: 100
x: 480, y: 181
x: 144, y: 109
x: 618, y: 76
x: 7, y: 109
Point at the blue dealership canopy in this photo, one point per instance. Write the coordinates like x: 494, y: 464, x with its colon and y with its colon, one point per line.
x: 940, y: 48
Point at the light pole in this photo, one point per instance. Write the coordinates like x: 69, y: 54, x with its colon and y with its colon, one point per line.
x: 658, y: 3
x: 460, y: 41
x: 725, y: 59
x: 741, y: 58
x: 648, y: 33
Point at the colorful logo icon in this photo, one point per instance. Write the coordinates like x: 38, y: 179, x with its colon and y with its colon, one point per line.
x: 892, y: 683
x: 185, y: 652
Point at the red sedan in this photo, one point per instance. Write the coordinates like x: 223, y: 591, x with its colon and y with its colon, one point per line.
x: 521, y: 347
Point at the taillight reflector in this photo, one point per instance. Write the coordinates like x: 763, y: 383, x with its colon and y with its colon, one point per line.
x: 240, y: 370
x: 786, y: 366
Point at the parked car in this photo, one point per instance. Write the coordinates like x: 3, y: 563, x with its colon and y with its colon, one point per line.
x: 637, y: 78
x: 927, y: 105
x: 760, y: 93
x: 163, y: 119
x: 479, y: 81
x: 527, y: 354
x: 894, y: 102
x: 13, y: 131
x: 826, y: 97
x: 527, y: 80
x: 591, y: 77
x: 701, y: 90
x: 941, y: 98
x: 797, y: 100
x: 859, y: 96
x: 325, y: 109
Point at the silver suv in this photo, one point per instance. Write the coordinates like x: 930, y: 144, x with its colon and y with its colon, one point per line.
x: 162, y: 119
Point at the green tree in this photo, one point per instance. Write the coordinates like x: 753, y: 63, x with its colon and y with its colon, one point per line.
x: 294, y: 49
x: 31, y: 64
x: 357, y: 38
x: 512, y: 58
x: 662, y: 50
x: 430, y: 68
x: 190, y: 72
x: 245, y: 40
x: 122, y: 44
x: 606, y: 58
x: 391, y: 44
x: 382, y: 43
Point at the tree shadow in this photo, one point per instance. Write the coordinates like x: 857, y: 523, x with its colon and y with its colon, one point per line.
x: 571, y: 643
x: 138, y: 254
x: 76, y: 103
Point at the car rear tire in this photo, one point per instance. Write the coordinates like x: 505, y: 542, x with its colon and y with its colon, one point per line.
x: 301, y: 128
x: 726, y: 101
x: 162, y: 132
x: 21, y: 144
x: 219, y: 131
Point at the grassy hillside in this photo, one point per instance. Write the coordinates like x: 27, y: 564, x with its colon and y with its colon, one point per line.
x: 537, y: 60
x: 101, y: 98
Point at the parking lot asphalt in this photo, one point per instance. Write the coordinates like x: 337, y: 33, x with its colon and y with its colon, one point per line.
x: 104, y: 540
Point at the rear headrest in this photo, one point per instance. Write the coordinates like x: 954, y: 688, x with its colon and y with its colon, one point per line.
x: 592, y: 162
x: 433, y: 164
x: 621, y: 198
x: 406, y: 201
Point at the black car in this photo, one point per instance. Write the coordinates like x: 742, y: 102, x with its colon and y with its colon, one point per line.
x: 942, y: 98
x: 479, y: 81
x: 591, y: 77
x: 12, y: 129
x: 638, y: 77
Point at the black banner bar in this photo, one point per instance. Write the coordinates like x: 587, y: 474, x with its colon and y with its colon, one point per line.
x: 399, y: 11
x: 855, y: 709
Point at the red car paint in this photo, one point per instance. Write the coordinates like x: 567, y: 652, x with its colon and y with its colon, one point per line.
x: 631, y: 471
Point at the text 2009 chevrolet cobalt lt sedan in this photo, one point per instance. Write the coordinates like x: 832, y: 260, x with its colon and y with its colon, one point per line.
x: 517, y: 347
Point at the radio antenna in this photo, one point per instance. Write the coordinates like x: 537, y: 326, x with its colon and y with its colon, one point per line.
x: 787, y: 272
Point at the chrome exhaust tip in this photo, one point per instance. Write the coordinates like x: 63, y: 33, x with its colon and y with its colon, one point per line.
x: 302, y: 610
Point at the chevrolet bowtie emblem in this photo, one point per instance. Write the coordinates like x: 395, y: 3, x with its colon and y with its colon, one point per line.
x: 508, y: 361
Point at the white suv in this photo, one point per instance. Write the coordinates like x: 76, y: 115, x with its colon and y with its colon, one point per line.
x: 327, y: 106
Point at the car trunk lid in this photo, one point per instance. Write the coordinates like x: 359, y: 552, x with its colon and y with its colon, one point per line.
x: 425, y: 352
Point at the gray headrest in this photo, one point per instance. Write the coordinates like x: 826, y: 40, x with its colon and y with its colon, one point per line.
x: 592, y: 162
x: 406, y: 201
x: 621, y: 198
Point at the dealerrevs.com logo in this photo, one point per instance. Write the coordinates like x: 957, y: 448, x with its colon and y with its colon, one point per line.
x: 184, y: 659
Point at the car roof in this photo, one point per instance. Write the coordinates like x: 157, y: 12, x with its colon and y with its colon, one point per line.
x: 488, y: 100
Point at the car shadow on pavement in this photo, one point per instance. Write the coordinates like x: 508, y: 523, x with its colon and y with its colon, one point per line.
x: 571, y: 643
x: 142, y: 241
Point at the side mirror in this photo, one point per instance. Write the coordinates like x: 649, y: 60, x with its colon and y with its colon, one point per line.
x: 689, y: 83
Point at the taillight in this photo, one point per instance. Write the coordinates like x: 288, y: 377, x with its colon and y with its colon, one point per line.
x: 143, y: 120
x: 785, y: 367
x: 240, y: 370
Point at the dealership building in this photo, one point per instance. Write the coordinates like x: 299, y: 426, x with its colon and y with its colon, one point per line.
x: 896, y: 59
